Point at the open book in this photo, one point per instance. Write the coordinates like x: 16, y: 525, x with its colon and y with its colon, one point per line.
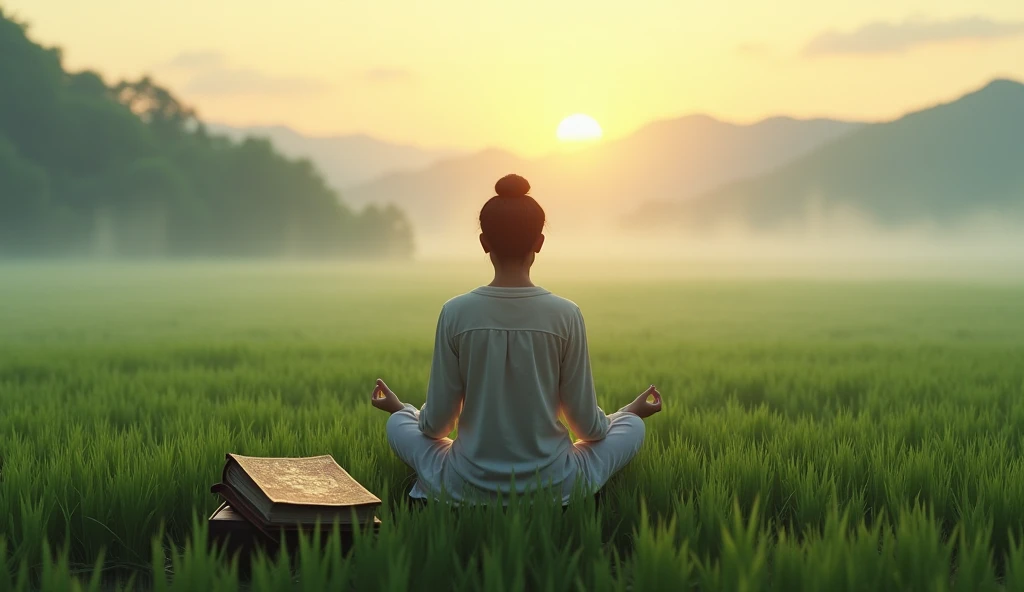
x: 294, y: 492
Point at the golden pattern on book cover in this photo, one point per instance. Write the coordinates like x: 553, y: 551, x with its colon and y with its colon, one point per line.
x: 316, y: 480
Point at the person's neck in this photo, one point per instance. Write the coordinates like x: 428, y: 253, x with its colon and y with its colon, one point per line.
x: 511, y: 277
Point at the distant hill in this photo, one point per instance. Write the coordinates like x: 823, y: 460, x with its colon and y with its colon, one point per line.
x: 941, y: 167
x: 343, y: 160
x: 90, y: 169
x: 445, y: 197
x: 589, y: 189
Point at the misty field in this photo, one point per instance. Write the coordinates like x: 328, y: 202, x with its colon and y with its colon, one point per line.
x: 818, y: 434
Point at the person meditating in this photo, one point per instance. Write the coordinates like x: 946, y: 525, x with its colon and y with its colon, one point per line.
x: 508, y: 358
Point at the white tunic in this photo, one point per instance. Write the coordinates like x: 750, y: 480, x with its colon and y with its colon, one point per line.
x: 507, y: 362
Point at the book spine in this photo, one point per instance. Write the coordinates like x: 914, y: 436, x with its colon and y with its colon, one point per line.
x: 227, y: 463
x: 239, y: 504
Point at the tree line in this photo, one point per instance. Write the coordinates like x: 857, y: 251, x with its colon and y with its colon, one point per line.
x: 92, y: 169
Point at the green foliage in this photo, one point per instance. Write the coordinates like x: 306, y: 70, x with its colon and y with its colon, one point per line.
x: 816, y: 436
x: 24, y: 199
x: 128, y: 170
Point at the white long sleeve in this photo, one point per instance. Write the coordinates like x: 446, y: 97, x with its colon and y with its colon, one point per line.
x: 576, y: 387
x: 445, y: 389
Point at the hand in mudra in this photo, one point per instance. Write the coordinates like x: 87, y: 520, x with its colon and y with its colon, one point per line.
x: 643, y: 408
x: 384, y: 398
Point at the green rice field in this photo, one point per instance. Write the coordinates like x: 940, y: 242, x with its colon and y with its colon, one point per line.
x: 821, y: 431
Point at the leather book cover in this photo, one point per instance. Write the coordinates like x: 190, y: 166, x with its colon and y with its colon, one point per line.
x: 308, y: 481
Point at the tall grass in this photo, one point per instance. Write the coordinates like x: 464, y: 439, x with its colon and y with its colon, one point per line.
x: 817, y: 435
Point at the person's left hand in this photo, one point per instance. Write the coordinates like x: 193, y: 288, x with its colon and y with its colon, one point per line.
x: 643, y: 408
x: 384, y: 398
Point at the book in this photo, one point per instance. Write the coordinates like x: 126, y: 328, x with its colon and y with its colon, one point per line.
x: 290, y: 493
x: 226, y: 521
x: 229, y: 530
x: 228, y: 527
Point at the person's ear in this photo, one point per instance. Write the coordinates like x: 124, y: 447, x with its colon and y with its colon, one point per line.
x: 539, y: 244
x: 484, y: 244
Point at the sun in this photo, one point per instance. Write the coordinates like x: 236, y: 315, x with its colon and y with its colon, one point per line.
x: 579, y: 128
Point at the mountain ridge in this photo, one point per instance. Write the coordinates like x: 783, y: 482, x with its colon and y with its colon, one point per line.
x: 583, y: 189
x: 943, y: 165
x: 344, y: 159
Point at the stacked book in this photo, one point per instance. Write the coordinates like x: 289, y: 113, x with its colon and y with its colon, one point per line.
x: 268, y: 501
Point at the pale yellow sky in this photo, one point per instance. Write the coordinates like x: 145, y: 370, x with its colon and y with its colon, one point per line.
x: 473, y: 73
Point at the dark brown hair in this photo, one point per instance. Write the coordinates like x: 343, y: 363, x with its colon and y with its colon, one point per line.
x: 511, y: 221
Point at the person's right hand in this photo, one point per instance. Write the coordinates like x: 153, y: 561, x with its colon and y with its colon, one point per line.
x: 384, y: 398
x: 643, y: 408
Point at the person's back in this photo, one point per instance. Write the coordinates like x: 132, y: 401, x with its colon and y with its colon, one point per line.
x: 511, y: 343
x: 509, y: 359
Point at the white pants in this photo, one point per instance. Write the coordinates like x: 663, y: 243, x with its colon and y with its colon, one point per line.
x: 595, y: 462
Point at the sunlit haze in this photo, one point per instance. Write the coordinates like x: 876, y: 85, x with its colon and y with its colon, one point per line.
x: 468, y: 74
x: 578, y: 128
x: 649, y: 131
x: 424, y: 271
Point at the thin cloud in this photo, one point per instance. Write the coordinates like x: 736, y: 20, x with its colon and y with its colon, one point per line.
x: 208, y: 73
x: 881, y: 37
x: 192, y: 60
x: 754, y: 50
x: 388, y: 76
x: 233, y: 81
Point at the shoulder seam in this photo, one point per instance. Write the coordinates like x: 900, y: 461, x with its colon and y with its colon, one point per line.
x: 464, y: 331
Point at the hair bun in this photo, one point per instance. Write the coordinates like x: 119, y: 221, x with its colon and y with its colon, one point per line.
x: 512, y: 186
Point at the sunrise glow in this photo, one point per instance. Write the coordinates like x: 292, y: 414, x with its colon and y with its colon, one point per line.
x: 579, y: 128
